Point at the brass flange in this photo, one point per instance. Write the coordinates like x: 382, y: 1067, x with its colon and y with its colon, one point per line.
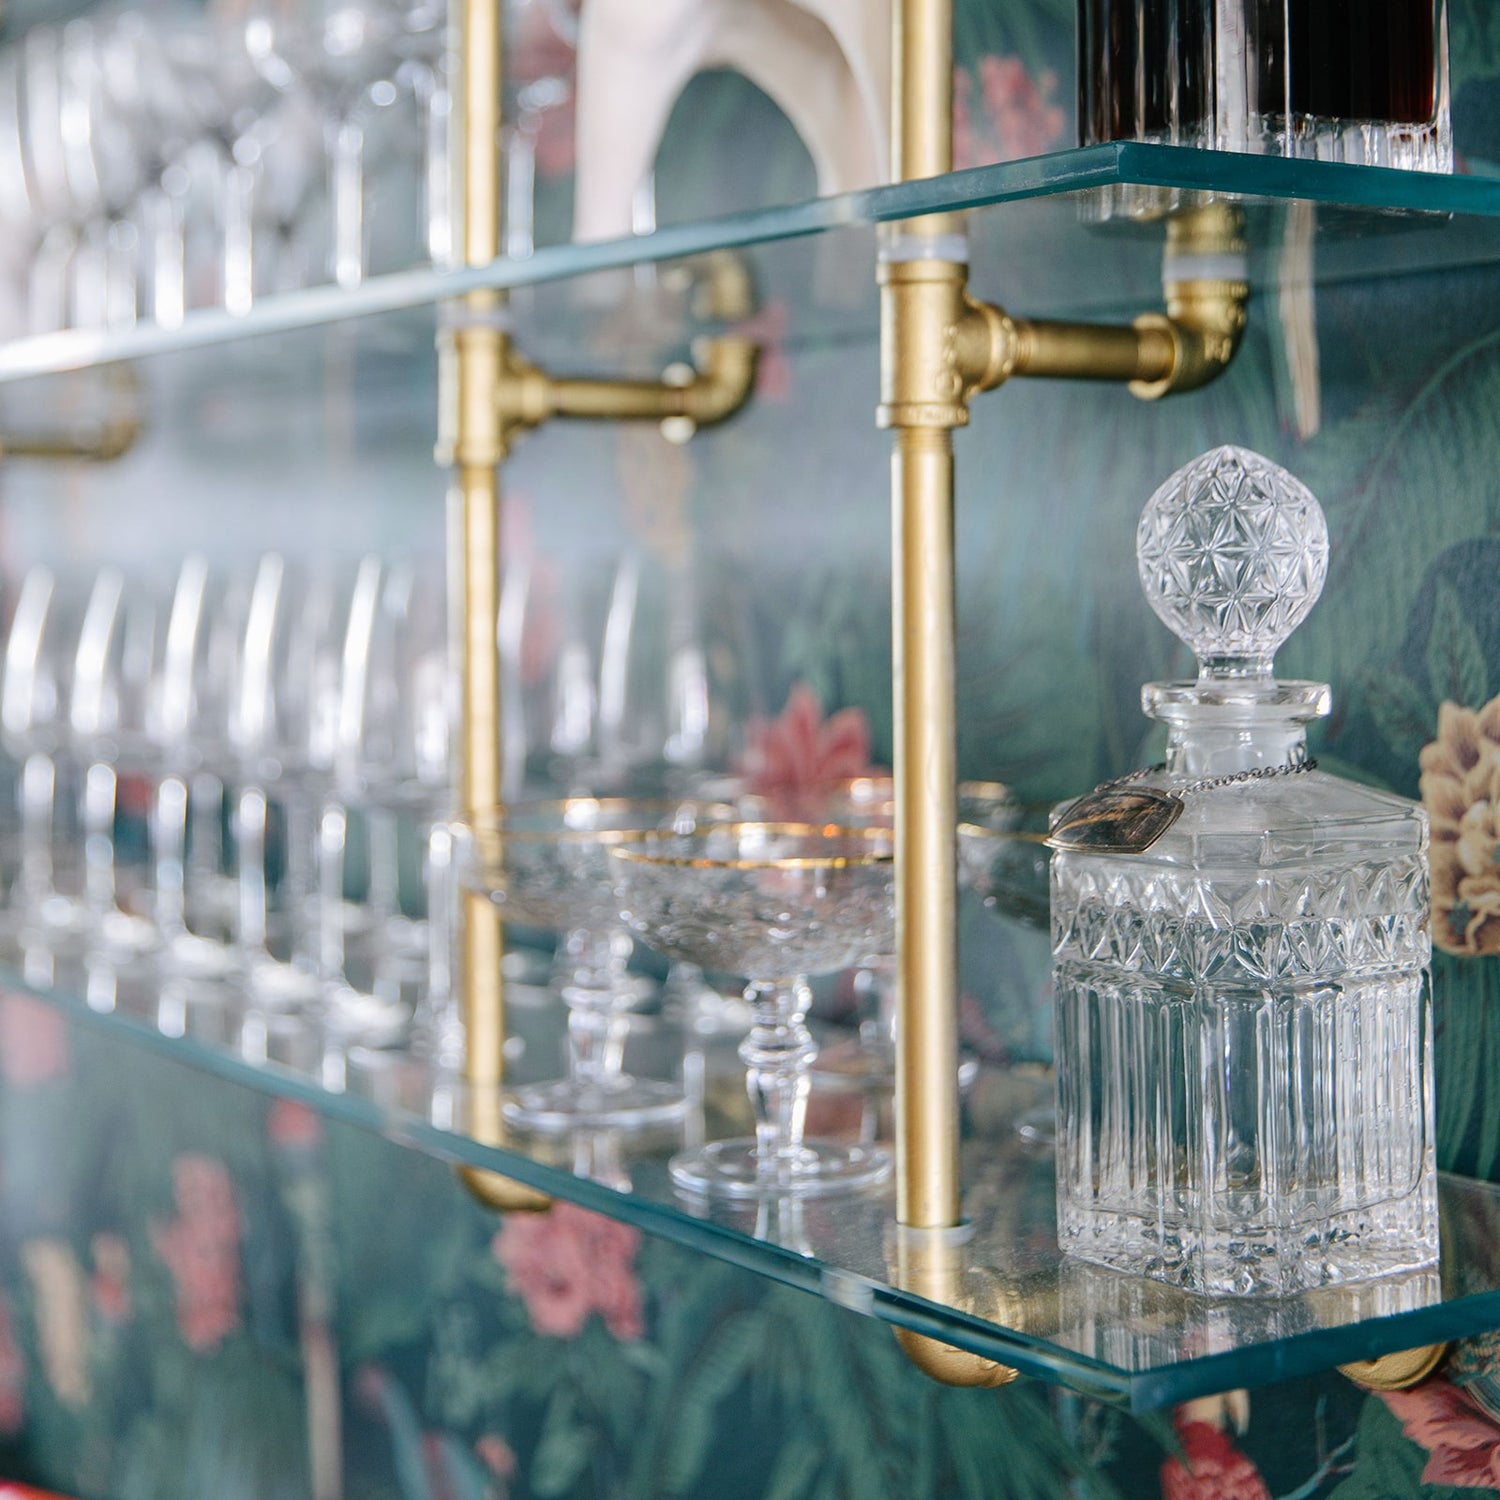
x: 1398, y: 1371
x: 931, y: 1263
x: 503, y: 1194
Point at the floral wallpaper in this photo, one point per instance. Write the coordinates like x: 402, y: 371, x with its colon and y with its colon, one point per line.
x: 206, y: 1293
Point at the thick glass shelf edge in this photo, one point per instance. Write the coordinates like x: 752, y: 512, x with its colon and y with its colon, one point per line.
x: 1263, y: 179
x: 1116, y: 1338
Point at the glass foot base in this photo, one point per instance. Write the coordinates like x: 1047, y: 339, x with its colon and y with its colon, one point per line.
x: 563, y: 1104
x: 733, y: 1169
x: 278, y: 984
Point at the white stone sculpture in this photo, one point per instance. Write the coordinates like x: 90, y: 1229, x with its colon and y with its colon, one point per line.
x: 825, y: 63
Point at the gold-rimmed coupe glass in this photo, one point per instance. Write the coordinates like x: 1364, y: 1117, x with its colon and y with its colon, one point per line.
x: 545, y: 864
x: 775, y: 903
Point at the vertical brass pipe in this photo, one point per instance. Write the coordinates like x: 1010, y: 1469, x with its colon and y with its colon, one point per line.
x: 927, y: 1178
x: 922, y: 399
x: 477, y: 452
x: 475, y: 442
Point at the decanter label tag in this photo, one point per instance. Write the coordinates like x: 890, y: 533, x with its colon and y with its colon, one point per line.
x: 1115, y: 820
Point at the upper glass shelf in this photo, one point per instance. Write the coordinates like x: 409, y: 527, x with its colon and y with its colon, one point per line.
x: 1000, y: 1288
x: 1073, y: 232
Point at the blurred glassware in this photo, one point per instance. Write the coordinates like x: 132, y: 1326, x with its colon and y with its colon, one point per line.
x: 196, y: 889
x: 774, y: 902
x: 283, y: 729
x: 40, y: 653
x: 547, y: 864
x: 109, y: 710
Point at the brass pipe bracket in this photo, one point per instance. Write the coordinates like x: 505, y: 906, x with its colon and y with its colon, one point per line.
x: 1398, y: 1371
x: 944, y: 346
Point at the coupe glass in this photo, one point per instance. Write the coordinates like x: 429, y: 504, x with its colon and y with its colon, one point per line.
x: 547, y: 865
x: 775, y: 902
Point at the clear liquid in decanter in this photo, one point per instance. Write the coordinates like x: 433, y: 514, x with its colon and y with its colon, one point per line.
x: 1243, y: 1025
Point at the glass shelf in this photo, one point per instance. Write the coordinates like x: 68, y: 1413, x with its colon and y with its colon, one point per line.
x: 1007, y: 1293
x: 1100, y: 204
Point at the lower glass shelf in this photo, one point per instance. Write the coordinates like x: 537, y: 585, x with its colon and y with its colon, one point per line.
x: 999, y: 1287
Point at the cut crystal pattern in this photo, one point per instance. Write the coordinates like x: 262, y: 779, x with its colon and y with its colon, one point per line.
x: 1243, y: 1023
x: 1232, y: 552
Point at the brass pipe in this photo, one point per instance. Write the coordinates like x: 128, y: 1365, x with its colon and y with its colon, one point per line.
x: 474, y: 442
x: 927, y: 1181
x: 714, y: 388
x: 930, y: 1263
x: 110, y: 439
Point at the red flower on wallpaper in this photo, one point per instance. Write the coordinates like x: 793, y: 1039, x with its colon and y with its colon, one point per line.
x: 109, y: 1288
x: 568, y: 1263
x: 293, y: 1126
x: 1210, y: 1468
x: 12, y: 1374
x: 799, y: 758
x: 1462, y: 1440
x: 773, y: 371
x: 201, y: 1248
x: 33, y: 1042
x: 1017, y: 114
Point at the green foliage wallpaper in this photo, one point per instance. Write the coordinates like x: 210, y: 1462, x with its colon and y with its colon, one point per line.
x: 204, y: 1293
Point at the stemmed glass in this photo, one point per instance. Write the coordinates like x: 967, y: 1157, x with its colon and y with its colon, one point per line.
x: 190, y: 729
x: 546, y: 864
x: 40, y: 653
x: 114, y: 673
x: 391, y: 763
x: 775, y: 902
x: 282, y: 728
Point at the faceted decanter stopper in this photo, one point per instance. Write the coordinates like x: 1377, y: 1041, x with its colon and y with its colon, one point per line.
x: 1232, y: 551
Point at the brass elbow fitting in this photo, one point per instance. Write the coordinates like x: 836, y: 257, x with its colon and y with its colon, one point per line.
x: 951, y: 1366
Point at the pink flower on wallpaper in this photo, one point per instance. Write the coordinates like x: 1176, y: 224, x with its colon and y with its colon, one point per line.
x: 1210, y: 1468
x: 12, y: 1374
x: 292, y: 1126
x: 109, y: 1289
x: 496, y: 1455
x: 568, y: 1263
x: 773, y: 371
x: 1462, y: 1440
x: 201, y: 1248
x: 33, y: 1042
x: 798, y: 759
x: 1017, y: 115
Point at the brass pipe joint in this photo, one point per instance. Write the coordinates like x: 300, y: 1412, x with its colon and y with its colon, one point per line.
x: 944, y: 346
x: 931, y: 1263
x: 683, y: 400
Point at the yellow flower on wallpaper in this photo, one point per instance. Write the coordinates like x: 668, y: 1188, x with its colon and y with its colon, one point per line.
x: 1461, y: 792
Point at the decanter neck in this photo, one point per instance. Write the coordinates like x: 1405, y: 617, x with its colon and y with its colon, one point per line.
x: 1219, y: 727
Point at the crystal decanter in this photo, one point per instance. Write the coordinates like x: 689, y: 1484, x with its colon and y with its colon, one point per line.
x: 1240, y: 941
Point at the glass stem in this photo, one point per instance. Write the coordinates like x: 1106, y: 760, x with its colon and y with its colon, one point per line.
x: 99, y: 801
x: 598, y: 1000
x: 333, y: 844
x: 169, y: 846
x: 37, y: 809
x: 777, y: 1053
x: 250, y: 843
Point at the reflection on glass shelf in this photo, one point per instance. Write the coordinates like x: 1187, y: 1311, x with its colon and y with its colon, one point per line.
x: 1063, y: 220
x: 998, y: 1287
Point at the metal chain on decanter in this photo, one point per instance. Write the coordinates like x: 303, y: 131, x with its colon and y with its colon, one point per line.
x: 1207, y: 783
x: 1114, y: 819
